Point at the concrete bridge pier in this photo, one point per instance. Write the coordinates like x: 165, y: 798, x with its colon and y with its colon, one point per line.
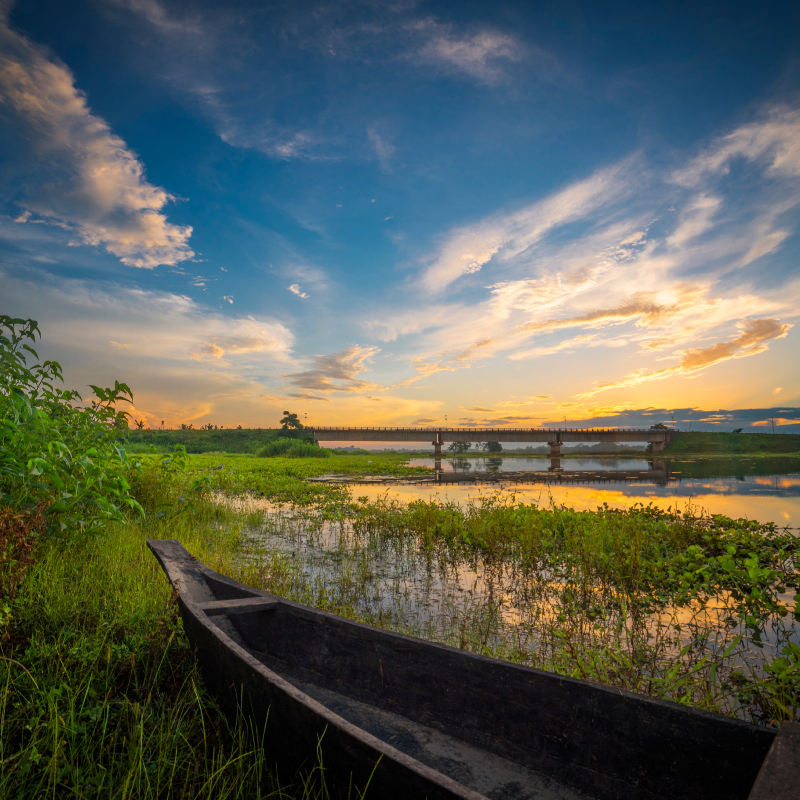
x: 555, y: 449
x: 437, y: 446
x: 659, y: 446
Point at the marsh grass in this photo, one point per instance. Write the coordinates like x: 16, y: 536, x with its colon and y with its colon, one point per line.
x: 100, y: 694
x: 292, y: 448
x: 677, y: 606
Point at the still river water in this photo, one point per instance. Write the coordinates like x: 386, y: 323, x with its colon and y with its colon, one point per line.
x: 499, y: 608
x: 762, y: 489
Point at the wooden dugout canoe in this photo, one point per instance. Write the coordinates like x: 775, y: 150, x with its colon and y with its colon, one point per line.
x: 444, y: 723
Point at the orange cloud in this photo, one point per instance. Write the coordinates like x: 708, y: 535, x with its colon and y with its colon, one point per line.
x: 753, y: 340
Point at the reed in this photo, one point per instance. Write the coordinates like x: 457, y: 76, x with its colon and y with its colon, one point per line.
x: 101, y: 696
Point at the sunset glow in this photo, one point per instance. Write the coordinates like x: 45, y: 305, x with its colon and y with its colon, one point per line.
x: 394, y: 214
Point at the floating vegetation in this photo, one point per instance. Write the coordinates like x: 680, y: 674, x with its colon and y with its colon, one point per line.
x: 675, y: 605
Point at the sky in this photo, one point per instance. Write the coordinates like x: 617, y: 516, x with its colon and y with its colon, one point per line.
x: 406, y: 213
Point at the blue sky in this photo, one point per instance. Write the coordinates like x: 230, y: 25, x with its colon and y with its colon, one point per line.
x: 507, y: 214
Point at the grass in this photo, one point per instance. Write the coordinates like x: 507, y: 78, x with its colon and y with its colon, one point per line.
x: 680, y: 606
x: 284, y: 480
x: 732, y: 444
x: 102, y: 697
x: 291, y: 448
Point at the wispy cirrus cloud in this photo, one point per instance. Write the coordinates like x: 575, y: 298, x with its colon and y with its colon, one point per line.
x: 384, y: 149
x: 658, y: 281
x: 773, y: 139
x: 219, y: 66
x: 501, y: 238
x: 482, y: 55
x: 753, y: 339
x: 214, y: 364
x: 88, y: 181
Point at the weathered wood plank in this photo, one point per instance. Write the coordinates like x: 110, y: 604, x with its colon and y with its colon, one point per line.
x: 246, y: 605
x: 779, y: 778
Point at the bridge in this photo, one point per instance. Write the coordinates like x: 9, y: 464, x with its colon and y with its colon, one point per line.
x: 554, y: 437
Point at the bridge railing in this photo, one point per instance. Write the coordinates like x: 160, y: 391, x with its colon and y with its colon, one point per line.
x: 647, y: 431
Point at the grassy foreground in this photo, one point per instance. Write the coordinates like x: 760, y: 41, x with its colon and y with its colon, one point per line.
x: 100, y: 692
x: 102, y: 698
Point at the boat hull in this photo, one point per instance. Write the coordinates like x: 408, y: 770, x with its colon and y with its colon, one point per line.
x: 272, y: 658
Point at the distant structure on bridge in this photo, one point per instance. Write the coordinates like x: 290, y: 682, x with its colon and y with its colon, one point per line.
x: 658, y: 437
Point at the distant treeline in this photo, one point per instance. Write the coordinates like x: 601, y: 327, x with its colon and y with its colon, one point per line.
x: 253, y: 440
x: 227, y: 440
x: 733, y: 444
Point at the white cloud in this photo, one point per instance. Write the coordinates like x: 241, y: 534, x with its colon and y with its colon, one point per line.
x: 503, y: 237
x: 775, y: 138
x: 159, y: 17
x: 696, y: 218
x: 483, y: 55
x: 753, y: 339
x: 274, y: 141
x: 295, y: 289
x: 336, y: 372
x: 384, y: 149
x: 86, y: 178
x: 182, y: 359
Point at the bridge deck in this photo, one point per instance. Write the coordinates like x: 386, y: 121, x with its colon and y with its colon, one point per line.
x: 542, y: 435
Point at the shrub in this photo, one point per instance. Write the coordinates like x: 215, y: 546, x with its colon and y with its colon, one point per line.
x: 54, y: 454
x: 292, y: 448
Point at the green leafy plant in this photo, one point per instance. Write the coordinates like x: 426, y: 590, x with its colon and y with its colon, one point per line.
x: 55, y: 454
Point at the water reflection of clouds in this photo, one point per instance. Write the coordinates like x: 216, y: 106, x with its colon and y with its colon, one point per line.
x: 782, y: 510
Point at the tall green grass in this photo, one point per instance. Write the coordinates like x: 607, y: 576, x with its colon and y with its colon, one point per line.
x: 101, y: 696
x: 292, y: 448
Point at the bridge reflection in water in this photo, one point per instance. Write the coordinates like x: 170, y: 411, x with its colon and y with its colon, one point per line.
x: 659, y: 473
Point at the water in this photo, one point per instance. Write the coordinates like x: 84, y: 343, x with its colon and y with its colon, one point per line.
x: 493, y: 607
x: 499, y: 608
x: 762, y: 489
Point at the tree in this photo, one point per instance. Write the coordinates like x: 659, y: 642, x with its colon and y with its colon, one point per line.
x: 492, y: 447
x: 659, y: 426
x: 291, y: 422
x: 459, y: 447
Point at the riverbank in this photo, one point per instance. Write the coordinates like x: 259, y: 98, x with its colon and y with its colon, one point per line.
x: 716, y: 443
x: 732, y: 444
